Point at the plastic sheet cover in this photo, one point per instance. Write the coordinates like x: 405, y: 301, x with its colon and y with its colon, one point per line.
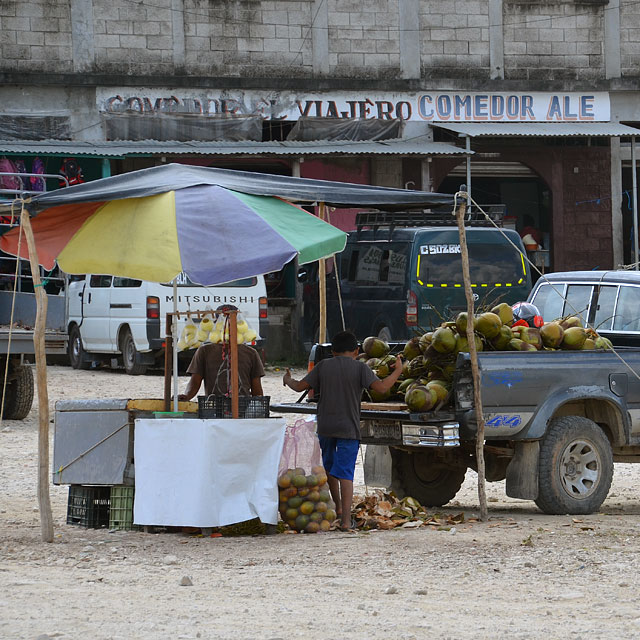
x: 307, y: 129
x: 207, y: 473
x: 171, y: 177
x: 15, y: 126
x: 183, y: 127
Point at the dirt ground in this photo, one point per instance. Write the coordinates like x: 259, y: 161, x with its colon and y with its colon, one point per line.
x: 522, y: 574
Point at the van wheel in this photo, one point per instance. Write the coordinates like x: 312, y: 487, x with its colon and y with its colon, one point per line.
x: 129, y: 353
x: 423, y: 477
x: 575, y: 467
x: 384, y: 333
x: 76, y: 352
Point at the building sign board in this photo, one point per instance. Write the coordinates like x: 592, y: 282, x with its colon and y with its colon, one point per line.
x: 427, y: 106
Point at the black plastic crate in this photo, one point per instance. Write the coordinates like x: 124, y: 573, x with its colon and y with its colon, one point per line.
x: 220, y: 406
x: 88, y: 507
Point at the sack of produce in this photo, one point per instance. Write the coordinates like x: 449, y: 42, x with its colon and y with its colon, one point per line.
x: 305, y: 501
x: 205, y: 328
x: 301, y: 447
x: 189, y: 336
x: 245, y: 333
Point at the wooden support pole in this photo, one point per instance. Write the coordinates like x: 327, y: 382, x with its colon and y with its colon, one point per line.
x: 322, y: 288
x: 168, y: 361
x: 233, y: 354
x: 473, y: 354
x: 44, y: 502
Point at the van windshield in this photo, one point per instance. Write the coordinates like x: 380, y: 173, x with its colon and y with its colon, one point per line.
x: 491, y: 265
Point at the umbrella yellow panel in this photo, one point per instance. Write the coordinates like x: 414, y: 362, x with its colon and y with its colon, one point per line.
x: 134, y: 238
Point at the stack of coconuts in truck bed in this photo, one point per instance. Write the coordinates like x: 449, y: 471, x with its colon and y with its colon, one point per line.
x: 427, y: 375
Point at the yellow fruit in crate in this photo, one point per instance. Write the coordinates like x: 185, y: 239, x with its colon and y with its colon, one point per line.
x: 242, y: 326
x: 206, y: 324
x: 215, y: 337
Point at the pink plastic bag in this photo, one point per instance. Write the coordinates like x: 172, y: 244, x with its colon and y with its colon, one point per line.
x: 301, y: 447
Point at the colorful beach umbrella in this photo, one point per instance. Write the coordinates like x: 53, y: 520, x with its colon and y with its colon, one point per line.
x: 210, y: 233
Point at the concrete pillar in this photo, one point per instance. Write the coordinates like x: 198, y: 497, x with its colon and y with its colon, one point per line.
x: 496, y: 40
x: 425, y: 165
x: 409, y: 21
x: 616, y: 203
x: 82, y: 35
x: 612, y: 64
x: 177, y: 24
x: 320, y: 37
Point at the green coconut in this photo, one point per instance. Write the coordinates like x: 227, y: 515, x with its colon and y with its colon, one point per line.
x: 440, y: 389
x: 488, y: 324
x: 379, y: 397
x: 374, y: 347
x: 603, y: 343
x: 574, y: 338
x: 531, y: 335
x: 520, y: 345
x: 462, y: 345
x: 570, y: 321
x: 552, y: 334
x: 504, y: 312
x: 412, y: 348
x: 425, y: 341
x: 444, y: 340
x: 589, y: 344
x: 501, y: 341
x: 462, y: 322
x: 420, y: 399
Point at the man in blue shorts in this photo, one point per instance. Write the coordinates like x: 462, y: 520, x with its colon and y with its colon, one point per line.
x: 339, y: 381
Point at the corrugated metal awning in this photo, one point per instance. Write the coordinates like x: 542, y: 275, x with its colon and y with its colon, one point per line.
x: 419, y: 146
x: 538, y: 129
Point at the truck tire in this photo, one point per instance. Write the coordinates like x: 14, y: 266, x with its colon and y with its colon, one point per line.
x: 575, y: 467
x: 384, y: 333
x: 76, y: 351
x: 19, y: 395
x: 420, y: 475
x: 129, y: 353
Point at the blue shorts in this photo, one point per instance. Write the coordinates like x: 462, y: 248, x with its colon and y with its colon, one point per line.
x: 339, y: 456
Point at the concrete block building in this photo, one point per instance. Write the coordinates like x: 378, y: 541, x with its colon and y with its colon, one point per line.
x: 542, y: 97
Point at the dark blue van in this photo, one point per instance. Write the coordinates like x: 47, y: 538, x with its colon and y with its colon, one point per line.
x: 399, y: 281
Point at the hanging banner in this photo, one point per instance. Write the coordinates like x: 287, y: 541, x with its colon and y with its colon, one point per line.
x: 436, y: 106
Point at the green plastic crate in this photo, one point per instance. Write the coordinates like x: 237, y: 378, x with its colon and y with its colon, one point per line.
x: 121, y: 509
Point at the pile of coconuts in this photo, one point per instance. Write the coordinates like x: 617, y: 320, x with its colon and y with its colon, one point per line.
x: 427, y: 375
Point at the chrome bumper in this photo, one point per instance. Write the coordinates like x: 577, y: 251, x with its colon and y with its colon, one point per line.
x: 443, y: 435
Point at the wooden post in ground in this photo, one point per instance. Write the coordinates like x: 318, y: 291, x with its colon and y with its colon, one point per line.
x: 473, y: 355
x: 44, y: 502
x: 233, y: 356
x: 322, y: 288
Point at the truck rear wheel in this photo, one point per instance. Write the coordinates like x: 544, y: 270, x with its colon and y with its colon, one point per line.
x: 129, y: 353
x: 19, y: 394
x: 422, y: 476
x: 575, y: 467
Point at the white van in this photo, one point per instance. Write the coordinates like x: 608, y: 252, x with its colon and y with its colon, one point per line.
x: 124, y: 319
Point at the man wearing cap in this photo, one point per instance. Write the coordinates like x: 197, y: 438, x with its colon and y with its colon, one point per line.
x: 211, y: 364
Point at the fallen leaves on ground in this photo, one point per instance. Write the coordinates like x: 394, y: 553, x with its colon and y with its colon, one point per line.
x: 385, y: 511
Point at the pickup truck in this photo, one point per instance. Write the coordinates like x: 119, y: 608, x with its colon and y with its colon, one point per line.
x: 556, y: 421
x: 17, y: 350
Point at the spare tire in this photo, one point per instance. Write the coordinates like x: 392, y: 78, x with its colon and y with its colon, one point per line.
x: 19, y: 393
